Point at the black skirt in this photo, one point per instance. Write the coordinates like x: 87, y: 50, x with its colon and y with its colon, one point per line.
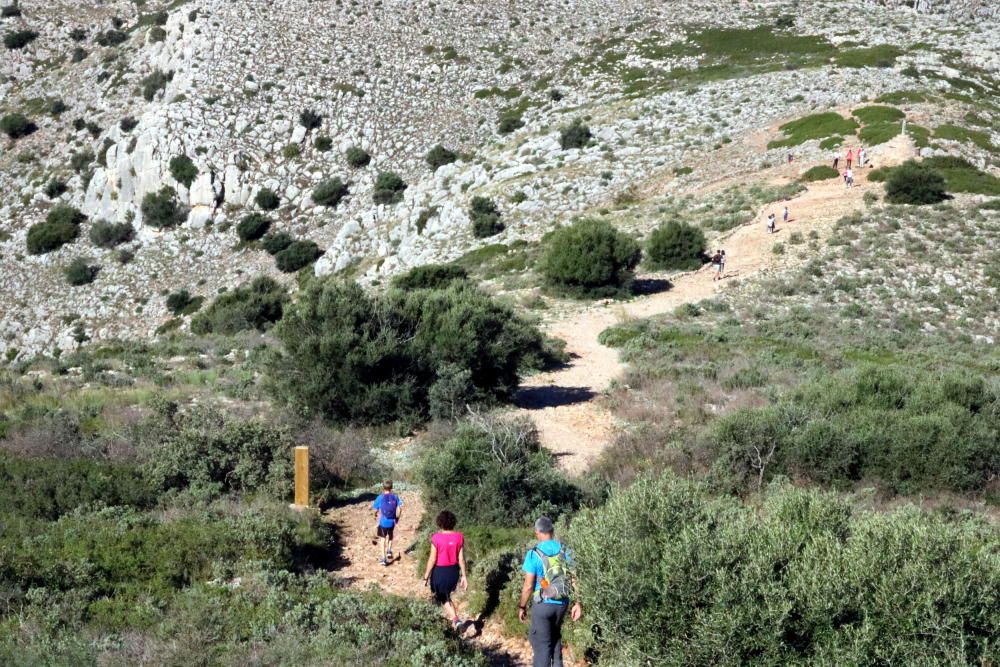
x: 444, y: 581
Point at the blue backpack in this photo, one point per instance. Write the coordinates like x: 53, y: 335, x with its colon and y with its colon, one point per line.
x: 388, y: 505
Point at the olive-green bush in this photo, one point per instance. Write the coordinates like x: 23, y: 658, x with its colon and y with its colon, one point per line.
x: 253, y: 227
x: 298, y: 255
x: 275, y: 242
x: 161, y: 209
x: 430, y: 276
x: 16, y: 125
x: 267, y: 199
x: 329, y: 192
x: 675, y: 246
x: 914, y: 183
x: 357, y: 157
x: 257, y: 305
x: 61, y: 226
x: 590, y: 257
x: 80, y: 272
x: 182, y: 302
x: 351, y: 356
x: 495, y: 472
x: 388, y: 188
x: 439, y: 156
x: 485, y: 217
x: 908, y: 431
x: 673, y: 575
x: 183, y: 169
x: 106, y: 234
x: 575, y: 135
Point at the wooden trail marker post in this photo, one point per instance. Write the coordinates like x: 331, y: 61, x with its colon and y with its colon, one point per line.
x: 301, y: 478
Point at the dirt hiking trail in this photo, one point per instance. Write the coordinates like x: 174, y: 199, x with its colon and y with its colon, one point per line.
x: 564, y: 403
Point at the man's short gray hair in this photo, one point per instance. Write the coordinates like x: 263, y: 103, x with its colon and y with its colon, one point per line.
x: 544, y: 525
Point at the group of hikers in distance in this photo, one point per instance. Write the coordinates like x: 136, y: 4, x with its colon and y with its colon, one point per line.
x: 546, y: 568
x: 848, y: 174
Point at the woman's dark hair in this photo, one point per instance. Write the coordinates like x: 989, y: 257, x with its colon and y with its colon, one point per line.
x: 446, y: 520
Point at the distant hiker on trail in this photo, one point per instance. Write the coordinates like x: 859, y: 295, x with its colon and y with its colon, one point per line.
x: 836, y: 159
x: 717, y: 265
x: 848, y: 178
x: 862, y: 157
x: 446, y: 565
x: 388, y: 509
x: 722, y: 265
x: 784, y: 217
x: 771, y: 222
x: 850, y: 157
x: 546, y: 584
x: 790, y: 157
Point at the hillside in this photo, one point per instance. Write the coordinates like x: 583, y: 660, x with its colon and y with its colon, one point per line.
x: 472, y: 248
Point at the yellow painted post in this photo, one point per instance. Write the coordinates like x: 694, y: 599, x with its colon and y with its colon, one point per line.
x: 301, y: 477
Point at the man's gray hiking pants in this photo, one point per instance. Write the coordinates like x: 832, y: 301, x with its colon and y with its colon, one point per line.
x: 545, y: 634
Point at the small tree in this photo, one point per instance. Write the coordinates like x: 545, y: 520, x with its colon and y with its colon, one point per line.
x: 61, y: 226
x: 914, y: 183
x: 329, y: 192
x: 161, y: 209
x: 80, y: 272
x: 388, y: 189
x: 127, y: 124
x: 357, y: 157
x: 267, y: 199
x: 154, y: 83
x: 275, y: 243
x: 253, y: 227
x: 16, y: 125
x: 19, y: 39
x: 485, y: 217
x: 575, y: 135
x: 439, y: 156
x: 182, y: 303
x: 298, y: 255
x: 183, y: 170
x: 590, y: 257
x: 675, y: 245
x: 106, y: 234
x: 55, y: 188
x: 310, y: 120
x: 80, y: 160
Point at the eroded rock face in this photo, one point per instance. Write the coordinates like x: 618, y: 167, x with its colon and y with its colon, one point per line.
x: 963, y: 9
x: 393, y: 79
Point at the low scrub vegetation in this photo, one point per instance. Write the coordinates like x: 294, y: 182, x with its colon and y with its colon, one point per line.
x: 351, y: 356
x: 106, y: 234
x: 330, y: 192
x: 817, y: 126
x: 799, y: 578
x: 439, y: 156
x: 297, y: 255
x: 357, y: 157
x: 257, y: 305
x: 485, y: 217
x: 267, y: 199
x: 80, y: 272
x: 61, y: 226
x: 575, y: 135
x: 590, y: 258
x: 675, y: 246
x: 388, y: 189
x: 162, y: 210
x: 819, y: 173
x: 915, y: 183
x: 16, y: 125
x: 182, y: 303
x: 183, y: 169
x: 253, y: 227
x: 430, y: 276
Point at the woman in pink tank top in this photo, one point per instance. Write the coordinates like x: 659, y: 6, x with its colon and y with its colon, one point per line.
x: 446, y: 564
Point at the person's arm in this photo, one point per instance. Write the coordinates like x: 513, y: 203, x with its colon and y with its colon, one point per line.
x: 399, y: 510
x: 431, y: 559
x: 527, y: 588
x: 461, y: 566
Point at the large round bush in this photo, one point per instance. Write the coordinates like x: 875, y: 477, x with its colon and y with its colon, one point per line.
x: 252, y: 227
x: 255, y: 306
x: 298, y: 255
x: 161, y: 209
x: 61, y: 226
x: 16, y: 125
x: 675, y: 245
x: 590, y: 257
x: 329, y: 192
x: 914, y: 183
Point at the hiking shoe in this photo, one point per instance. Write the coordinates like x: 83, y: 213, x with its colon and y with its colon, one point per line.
x: 383, y: 562
x: 388, y: 555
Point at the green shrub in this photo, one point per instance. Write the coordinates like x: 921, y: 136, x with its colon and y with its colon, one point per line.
x: 357, y: 157
x: 156, y: 34
x: 298, y: 255
x: 591, y: 257
x: 161, y: 209
x: 61, y: 226
x: 323, y: 143
x: 183, y: 170
x: 675, y: 246
x: 255, y: 306
x: 495, y: 473
x: 909, y: 433
x: 154, y: 83
x: 329, y: 192
x: 388, y: 189
x: 816, y: 126
x: 10, y: 11
x: 16, y: 125
x: 878, y: 114
x: 291, y: 151
x: 915, y: 183
x: 128, y: 123
x: 880, y: 133
x: 182, y: 303
x: 106, y: 234
x: 883, y: 55
x: 485, y: 217
x: 275, y: 242
x: 267, y: 199
x: 310, y: 120
x: 55, y: 188
x: 80, y: 272
x: 111, y: 37
x: 674, y: 575
x: 49, y: 488
x: 509, y: 122
x: 962, y: 176
x: 439, y: 156
x: 252, y: 227
x: 18, y: 39
x: 575, y: 135
x: 430, y: 276
x: 374, y: 358
x: 819, y: 173
x: 80, y: 160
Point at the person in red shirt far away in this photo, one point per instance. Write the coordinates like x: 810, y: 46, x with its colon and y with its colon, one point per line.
x: 446, y: 565
x: 850, y: 157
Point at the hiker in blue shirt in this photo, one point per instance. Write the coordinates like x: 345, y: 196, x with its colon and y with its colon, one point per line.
x: 546, y: 584
x: 388, y: 510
